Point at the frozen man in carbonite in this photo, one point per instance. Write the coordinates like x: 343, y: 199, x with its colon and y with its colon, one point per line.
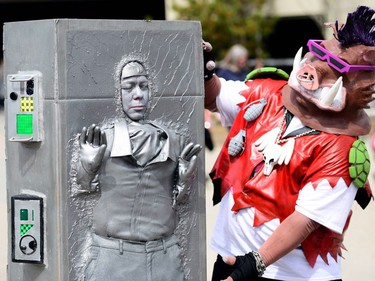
x: 142, y: 171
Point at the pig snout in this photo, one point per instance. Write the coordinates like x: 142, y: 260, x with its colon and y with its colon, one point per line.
x: 308, y: 77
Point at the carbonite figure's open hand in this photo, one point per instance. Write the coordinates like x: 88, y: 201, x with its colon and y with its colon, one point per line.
x: 186, y: 166
x: 92, y: 145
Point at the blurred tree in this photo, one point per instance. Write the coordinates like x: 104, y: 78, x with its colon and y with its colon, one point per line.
x: 227, y: 22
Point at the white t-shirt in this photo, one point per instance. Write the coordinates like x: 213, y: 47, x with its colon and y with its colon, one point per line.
x: 234, y: 234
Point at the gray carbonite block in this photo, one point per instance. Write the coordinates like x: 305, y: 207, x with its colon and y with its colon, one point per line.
x: 59, y: 77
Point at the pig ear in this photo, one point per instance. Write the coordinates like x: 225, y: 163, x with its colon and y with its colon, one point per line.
x: 335, y: 28
x: 369, y: 56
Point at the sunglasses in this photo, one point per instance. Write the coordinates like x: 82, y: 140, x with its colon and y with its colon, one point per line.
x: 333, y: 61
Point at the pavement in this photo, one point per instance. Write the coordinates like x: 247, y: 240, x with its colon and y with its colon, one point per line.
x: 359, y: 262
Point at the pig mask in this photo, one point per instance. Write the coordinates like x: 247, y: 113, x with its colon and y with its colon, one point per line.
x: 325, y: 98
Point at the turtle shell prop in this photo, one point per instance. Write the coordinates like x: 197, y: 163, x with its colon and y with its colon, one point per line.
x: 359, y: 160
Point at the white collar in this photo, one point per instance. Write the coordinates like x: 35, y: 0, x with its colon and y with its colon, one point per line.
x: 121, y: 141
x: 294, y: 125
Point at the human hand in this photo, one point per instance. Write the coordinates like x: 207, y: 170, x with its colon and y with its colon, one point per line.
x: 230, y: 260
x: 246, y: 267
x: 186, y: 166
x: 92, y: 145
x: 209, y: 61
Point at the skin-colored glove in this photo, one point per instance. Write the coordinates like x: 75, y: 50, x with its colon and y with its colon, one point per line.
x: 92, y: 145
x: 186, y: 166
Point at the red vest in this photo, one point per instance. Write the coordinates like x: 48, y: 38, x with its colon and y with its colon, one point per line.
x: 315, y: 158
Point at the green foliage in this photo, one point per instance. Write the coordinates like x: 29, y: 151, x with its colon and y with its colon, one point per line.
x: 227, y: 22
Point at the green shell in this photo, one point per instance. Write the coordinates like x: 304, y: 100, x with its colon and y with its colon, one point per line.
x: 268, y: 72
x: 359, y: 160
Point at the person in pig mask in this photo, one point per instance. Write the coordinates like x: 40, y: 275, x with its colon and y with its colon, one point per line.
x: 293, y: 163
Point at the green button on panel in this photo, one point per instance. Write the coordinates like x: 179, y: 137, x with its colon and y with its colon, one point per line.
x: 24, y: 124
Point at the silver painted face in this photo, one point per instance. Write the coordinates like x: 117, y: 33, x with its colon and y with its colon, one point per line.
x: 135, y: 96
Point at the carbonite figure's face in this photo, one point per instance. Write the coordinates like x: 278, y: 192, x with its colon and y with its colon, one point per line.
x: 135, y: 92
x: 135, y: 96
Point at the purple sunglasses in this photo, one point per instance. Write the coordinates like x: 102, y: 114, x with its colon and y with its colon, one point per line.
x: 334, y: 61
